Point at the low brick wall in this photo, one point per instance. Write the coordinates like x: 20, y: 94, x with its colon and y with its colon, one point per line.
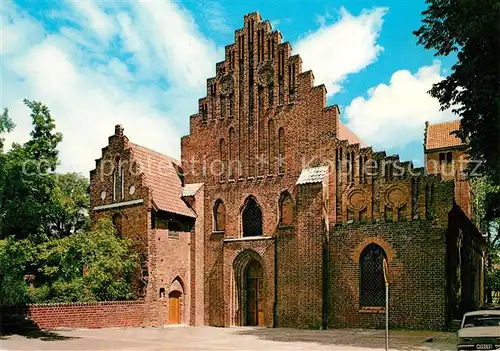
x: 90, y: 314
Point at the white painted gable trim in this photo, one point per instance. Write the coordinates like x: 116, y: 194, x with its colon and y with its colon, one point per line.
x: 119, y: 204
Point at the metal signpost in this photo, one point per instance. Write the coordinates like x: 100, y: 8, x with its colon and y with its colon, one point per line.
x: 386, y: 306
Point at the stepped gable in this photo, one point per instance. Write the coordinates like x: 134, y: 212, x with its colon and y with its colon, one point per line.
x: 261, y: 111
x: 160, y: 173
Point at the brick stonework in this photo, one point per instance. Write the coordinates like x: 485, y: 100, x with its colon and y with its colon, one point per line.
x: 261, y: 125
x: 90, y: 315
x: 416, y: 253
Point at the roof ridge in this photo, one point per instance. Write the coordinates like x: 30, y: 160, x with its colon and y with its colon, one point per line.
x: 444, y: 122
x: 146, y: 149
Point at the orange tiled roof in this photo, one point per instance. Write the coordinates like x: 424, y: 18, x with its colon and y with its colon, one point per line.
x: 346, y: 134
x: 162, y: 179
x: 438, y: 135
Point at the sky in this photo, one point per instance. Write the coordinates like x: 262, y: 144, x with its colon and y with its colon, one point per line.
x: 144, y: 64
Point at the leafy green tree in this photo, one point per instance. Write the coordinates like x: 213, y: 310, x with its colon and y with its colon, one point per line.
x: 15, y: 258
x: 471, y: 29
x: 70, y: 204
x: 45, y: 225
x: 85, y: 266
x: 489, y: 223
x: 27, y: 184
x: 6, y: 126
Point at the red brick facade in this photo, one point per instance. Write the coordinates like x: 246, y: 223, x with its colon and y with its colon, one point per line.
x: 90, y: 315
x: 281, y: 211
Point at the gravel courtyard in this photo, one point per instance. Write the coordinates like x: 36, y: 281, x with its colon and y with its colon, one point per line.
x: 209, y: 338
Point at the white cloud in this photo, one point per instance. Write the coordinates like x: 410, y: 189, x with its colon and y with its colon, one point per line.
x: 89, y: 91
x: 94, y: 18
x: 16, y: 30
x: 393, y: 115
x: 344, y: 47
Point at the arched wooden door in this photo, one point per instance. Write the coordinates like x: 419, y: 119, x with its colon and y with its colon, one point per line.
x: 174, y: 307
x: 255, y: 294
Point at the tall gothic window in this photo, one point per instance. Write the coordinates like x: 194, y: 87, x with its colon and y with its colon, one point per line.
x: 281, y: 150
x: 371, y: 277
x: 252, y: 218
x: 286, y: 209
x: 219, y: 216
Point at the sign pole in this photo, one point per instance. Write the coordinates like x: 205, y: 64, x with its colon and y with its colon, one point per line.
x: 386, y: 306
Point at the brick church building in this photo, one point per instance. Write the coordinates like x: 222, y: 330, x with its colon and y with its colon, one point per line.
x: 278, y: 215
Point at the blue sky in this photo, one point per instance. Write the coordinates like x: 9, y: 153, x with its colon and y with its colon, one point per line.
x: 144, y: 64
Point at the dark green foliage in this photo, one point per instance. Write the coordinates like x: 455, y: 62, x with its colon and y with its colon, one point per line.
x: 27, y: 186
x: 471, y: 28
x: 86, y: 266
x: 48, y: 253
x: 15, y: 257
x: 6, y: 125
x: 95, y: 265
x: 489, y: 223
x: 69, y: 205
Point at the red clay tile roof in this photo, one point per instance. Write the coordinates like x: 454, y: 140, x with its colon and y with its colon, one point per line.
x: 438, y: 135
x: 162, y: 179
x: 346, y: 134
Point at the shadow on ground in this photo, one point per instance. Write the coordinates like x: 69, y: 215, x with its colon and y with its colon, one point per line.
x: 17, y: 323
x: 357, y: 338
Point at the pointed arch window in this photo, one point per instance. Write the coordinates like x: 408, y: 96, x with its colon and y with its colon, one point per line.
x: 252, y: 218
x: 219, y: 216
x: 286, y: 210
x: 371, y: 279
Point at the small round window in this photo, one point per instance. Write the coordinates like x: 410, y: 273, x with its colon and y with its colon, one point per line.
x: 131, y: 190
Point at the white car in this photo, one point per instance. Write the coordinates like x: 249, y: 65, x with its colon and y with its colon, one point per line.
x: 480, y: 330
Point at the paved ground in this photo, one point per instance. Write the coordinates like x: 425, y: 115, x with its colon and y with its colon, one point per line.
x: 209, y: 338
